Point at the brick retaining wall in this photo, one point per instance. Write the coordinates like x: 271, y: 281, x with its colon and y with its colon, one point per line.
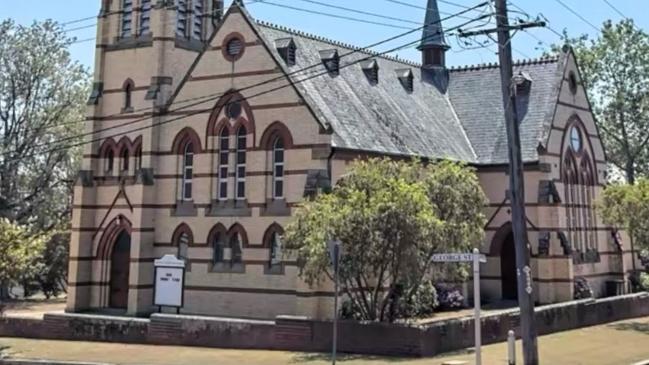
x: 302, y: 334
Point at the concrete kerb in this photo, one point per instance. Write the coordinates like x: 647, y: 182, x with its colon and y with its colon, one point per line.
x: 10, y: 361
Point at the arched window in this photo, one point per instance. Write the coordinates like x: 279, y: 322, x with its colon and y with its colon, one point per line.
x: 183, y: 245
x: 124, y: 156
x: 275, y: 249
x: 110, y: 161
x: 235, y: 249
x: 145, y: 17
x: 182, y: 239
x: 138, y: 158
x: 278, y: 168
x: 241, y: 163
x: 224, y: 162
x: 127, y: 18
x: 188, y: 171
x: 218, y: 247
x: 579, y: 184
x: 128, y: 96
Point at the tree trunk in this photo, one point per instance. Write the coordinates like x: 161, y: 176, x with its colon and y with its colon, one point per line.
x: 630, y: 172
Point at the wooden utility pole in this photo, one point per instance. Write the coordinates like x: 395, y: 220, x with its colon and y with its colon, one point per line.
x: 516, y: 181
x: 517, y: 189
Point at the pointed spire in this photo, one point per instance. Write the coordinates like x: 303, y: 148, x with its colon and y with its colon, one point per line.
x: 433, y: 34
x: 433, y: 46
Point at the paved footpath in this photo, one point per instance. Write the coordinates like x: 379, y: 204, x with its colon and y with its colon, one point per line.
x: 621, y: 343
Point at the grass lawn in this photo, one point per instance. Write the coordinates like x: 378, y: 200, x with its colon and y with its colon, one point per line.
x: 621, y: 343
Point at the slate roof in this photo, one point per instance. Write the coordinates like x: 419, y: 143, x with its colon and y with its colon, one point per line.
x: 476, y: 97
x: 383, y: 118
x: 463, y: 122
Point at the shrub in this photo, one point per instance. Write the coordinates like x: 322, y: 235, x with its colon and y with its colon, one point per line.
x: 644, y: 281
x: 450, y: 298
x: 421, y: 303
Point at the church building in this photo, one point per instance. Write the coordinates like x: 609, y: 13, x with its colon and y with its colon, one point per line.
x: 207, y: 128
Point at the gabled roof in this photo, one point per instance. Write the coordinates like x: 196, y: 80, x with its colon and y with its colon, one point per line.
x: 476, y: 96
x: 462, y: 121
x: 382, y: 118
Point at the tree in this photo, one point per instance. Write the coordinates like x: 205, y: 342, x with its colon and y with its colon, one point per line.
x: 42, y: 104
x: 391, y: 218
x: 627, y: 207
x: 19, y: 249
x: 615, y: 72
x: 42, y: 94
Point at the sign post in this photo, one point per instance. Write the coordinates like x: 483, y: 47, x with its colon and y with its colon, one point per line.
x: 169, y: 282
x: 334, y: 253
x: 475, y: 258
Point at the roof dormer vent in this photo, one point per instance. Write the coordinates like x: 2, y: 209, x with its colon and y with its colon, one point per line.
x: 523, y: 82
x: 406, y: 79
x: 287, y: 49
x: 371, y: 70
x: 331, y: 61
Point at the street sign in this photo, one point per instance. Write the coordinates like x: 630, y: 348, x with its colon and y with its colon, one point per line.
x: 456, y: 257
x: 475, y: 258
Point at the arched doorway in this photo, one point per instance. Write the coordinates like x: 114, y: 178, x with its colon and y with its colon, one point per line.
x: 508, y: 268
x: 120, y: 261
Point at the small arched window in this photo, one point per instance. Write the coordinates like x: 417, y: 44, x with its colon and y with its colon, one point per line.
x: 128, y: 96
x: 110, y: 162
x: 278, y: 168
x: 241, y: 163
x: 124, y: 156
x: 188, y: 171
x: 224, y: 162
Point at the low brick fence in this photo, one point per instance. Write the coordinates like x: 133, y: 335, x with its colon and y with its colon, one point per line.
x: 302, y: 334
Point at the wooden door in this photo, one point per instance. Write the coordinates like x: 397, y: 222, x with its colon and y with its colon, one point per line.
x: 119, y: 271
x: 508, y: 269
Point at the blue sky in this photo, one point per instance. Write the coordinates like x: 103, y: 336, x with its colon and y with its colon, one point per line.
x: 525, y: 45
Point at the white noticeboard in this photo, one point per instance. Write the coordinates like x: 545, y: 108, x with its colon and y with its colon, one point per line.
x: 169, y: 281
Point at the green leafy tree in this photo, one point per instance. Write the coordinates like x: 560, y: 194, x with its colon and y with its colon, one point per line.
x: 42, y: 102
x: 19, y: 250
x: 615, y: 71
x: 42, y: 106
x: 391, y: 218
x: 627, y: 207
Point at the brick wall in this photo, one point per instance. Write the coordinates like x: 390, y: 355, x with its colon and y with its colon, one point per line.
x: 303, y: 334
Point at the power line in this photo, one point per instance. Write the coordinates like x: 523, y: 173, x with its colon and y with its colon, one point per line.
x: 362, y: 12
x: 578, y: 15
x: 343, y: 17
x: 291, y: 83
x: 616, y: 9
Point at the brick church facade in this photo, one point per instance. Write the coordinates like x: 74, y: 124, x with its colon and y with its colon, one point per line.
x: 209, y: 128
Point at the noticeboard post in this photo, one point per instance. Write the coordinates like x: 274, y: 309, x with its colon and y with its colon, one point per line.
x: 169, y: 282
x: 475, y: 258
